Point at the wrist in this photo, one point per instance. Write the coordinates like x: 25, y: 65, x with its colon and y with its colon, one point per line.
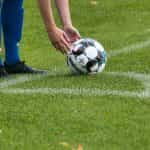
x: 51, y: 28
x: 67, y: 25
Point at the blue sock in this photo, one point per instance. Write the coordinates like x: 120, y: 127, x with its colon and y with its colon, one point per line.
x: 1, y: 62
x: 12, y: 21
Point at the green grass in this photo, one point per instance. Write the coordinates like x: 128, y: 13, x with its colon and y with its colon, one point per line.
x: 42, y: 121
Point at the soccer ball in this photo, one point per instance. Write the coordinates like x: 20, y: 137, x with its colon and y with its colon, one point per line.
x: 86, y: 56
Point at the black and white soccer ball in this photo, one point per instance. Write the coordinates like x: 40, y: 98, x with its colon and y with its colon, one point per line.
x: 86, y: 56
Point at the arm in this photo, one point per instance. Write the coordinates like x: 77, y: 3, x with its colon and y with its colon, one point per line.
x: 47, y: 14
x: 64, y: 13
x: 57, y: 36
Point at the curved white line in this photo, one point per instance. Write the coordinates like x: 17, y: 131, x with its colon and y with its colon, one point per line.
x: 130, y: 48
x: 77, y: 92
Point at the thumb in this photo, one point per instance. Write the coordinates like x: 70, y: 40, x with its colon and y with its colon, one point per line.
x: 76, y: 32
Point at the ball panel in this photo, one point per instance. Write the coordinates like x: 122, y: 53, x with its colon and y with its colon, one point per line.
x: 91, y: 52
x: 94, y: 68
x: 101, y: 68
x: 75, y: 66
x: 82, y: 59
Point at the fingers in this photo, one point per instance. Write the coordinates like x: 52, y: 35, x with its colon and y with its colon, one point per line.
x: 78, y: 34
x: 59, y: 47
x: 66, y: 37
x: 74, y: 38
x: 65, y: 41
x: 73, y: 34
x: 60, y: 40
x: 62, y: 45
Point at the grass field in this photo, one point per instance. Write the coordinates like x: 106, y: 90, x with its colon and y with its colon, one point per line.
x: 109, y: 111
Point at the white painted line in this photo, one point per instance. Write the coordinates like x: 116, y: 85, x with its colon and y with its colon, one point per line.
x: 77, y: 92
x: 130, y: 48
x: 139, y: 76
x: 26, y: 78
x: 144, y: 78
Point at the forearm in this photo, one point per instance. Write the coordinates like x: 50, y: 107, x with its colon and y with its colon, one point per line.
x: 47, y: 14
x: 64, y: 12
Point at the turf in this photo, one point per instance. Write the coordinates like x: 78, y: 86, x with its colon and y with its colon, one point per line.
x: 43, y: 121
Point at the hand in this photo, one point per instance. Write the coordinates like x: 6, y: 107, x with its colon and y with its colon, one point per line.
x: 72, y: 33
x: 59, y: 39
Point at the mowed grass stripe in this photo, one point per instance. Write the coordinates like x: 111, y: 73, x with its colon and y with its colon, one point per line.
x: 77, y: 92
